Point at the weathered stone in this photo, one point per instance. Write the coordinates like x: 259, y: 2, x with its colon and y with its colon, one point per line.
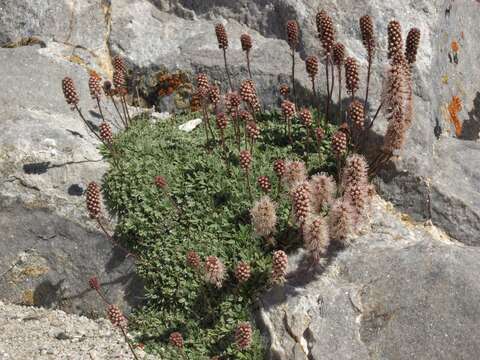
x: 190, y: 125
x: 49, y: 247
x: 150, y: 38
x: 74, y: 30
x: 402, y: 291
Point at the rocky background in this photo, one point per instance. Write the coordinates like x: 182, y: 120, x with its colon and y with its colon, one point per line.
x: 404, y: 291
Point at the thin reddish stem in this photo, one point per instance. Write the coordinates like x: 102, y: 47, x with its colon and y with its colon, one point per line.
x: 226, y: 69
x: 248, y: 65
x: 128, y: 342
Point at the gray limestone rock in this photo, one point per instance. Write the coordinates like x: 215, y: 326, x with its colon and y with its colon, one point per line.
x: 401, y: 291
x: 49, y: 248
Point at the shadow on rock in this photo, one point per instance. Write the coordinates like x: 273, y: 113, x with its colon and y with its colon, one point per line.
x: 47, y: 294
x: 36, y: 168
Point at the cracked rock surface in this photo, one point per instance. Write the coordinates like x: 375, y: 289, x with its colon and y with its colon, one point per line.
x: 33, y: 333
x: 400, y: 291
x: 49, y: 248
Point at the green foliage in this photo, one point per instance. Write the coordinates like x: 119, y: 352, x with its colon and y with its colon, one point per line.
x: 213, y: 220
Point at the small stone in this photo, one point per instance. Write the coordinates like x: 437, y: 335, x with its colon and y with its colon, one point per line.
x: 191, y: 125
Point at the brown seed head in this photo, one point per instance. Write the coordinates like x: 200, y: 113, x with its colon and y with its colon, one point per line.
x: 395, y: 42
x: 327, y: 34
x: 357, y: 114
x: 248, y: 92
x: 368, y: 35
x: 232, y: 102
x: 119, y: 73
x: 245, y: 160
x: 311, y: 64
x: 242, y: 272
x: 222, y: 121
x: 119, y: 64
x: 255, y: 104
x: 306, y: 117
x: 193, y: 260
x: 279, y: 266
x: 176, y: 340
x: 288, y: 109
x: 338, y: 54
x: 95, y: 85
x: 119, y: 82
x: 243, y: 336
x: 253, y: 130
x: 339, y: 143
x: 279, y: 167
x: 214, y: 94
x: 106, y: 133
x: 70, y: 93
x: 284, y: 90
x: 203, y: 85
x: 351, y: 75
x: 94, y: 207
x: 292, y: 33
x: 319, y: 20
x: 398, y: 100
x: 413, y: 41
x: 245, y: 116
x: 264, y: 184
x: 116, y: 317
x: 301, y: 203
x: 221, y: 36
x: 246, y: 41
x: 251, y: 83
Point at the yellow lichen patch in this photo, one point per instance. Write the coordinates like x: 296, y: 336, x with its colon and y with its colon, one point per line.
x: 33, y: 271
x: 445, y: 79
x: 454, y: 108
x: 33, y: 266
x: 76, y: 59
x: 28, y: 298
x: 407, y: 218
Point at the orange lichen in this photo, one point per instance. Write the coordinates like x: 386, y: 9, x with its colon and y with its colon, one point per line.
x: 169, y: 83
x: 455, y: 46
x: 454, y: 108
